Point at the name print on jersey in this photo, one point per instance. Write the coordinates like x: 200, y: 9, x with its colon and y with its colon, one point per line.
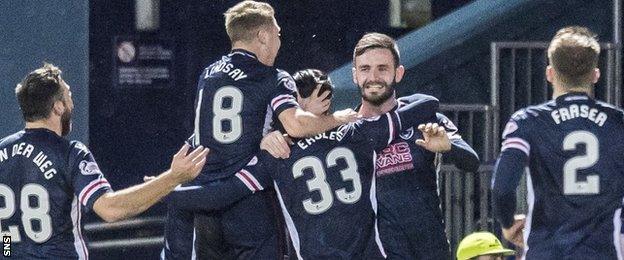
x: 333, y: 135
x: 226, y: 67
x: 574, y: 111
x: 24, y: 149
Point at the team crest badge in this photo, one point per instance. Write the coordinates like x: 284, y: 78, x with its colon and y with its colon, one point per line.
x: 89, y: 168
x: 253, y: 161
x: 448, y: 124
x: 407, y: 134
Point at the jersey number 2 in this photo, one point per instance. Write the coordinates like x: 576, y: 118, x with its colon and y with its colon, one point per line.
x: 29, y: 212
x: 319, y: 183
x: 570, y: 169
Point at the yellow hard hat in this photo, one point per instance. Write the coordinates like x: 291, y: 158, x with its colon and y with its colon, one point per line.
x: 480, y: 243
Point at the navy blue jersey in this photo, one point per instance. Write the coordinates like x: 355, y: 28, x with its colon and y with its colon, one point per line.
x: 46, y: 183
x: 327, y: 186
x: 237, y: 99
x: 574, y: 149
x: 410, y: 220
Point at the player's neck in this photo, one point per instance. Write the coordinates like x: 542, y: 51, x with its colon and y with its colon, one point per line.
x: 369, y: 110
x: 559, y: 90
x: 255, y: 49
x: 47, y: 124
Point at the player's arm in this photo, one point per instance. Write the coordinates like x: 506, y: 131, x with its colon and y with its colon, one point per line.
x: 114, y: 206
x: 277, y: 144
x: 508, y: 172
x: 299, y: 123
x: 218, y: 194
x: 462, y: 156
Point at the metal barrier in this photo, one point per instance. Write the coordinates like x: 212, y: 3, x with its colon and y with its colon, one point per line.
x: 460, y: 193
x: 139, y: 237
x: 474, y: 122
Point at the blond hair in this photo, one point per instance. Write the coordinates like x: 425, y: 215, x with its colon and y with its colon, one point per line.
x: 243, y: 20
x: 573, y: 54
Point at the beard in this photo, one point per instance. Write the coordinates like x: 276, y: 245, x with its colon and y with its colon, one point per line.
x: 378, y: 98
x: 66, y: 123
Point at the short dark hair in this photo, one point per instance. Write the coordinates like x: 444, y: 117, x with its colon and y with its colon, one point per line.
x: 38, y: 91
x: 573, y: 54
x: 377, y: 41
x: 307, y: 80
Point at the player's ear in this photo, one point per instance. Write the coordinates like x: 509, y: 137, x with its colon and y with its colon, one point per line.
x: 263, y: 36
x: 550, y: 74
x: 353, y: 75
x: 58, y: 108
x: 595, y: 75
x: 399, y: 72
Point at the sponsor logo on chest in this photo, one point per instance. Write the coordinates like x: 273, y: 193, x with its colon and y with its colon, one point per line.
x: 395, y: 158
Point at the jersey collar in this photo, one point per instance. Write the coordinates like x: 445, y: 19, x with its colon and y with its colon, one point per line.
x: 572, y: 96
x: 398, y: 105
x: 244, y: 53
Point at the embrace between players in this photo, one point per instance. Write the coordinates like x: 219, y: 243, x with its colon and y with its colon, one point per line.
x: 347, y: 185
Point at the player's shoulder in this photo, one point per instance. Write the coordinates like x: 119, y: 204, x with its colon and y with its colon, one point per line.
x: 282, y: 74
x: 441, y: 117
x: 446, y: 122
x: 10, y: 139
x: 609, y: 107
x: 416, y: 97
x: 534, y: 112
x: 285, y: 79
x: 78, y: 149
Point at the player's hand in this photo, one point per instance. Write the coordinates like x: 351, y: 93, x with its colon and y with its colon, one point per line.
x: 148, y: 178
x: 435, y: 138
x: 515, y: 233
x: 277, y: 144
x: 346, y: 116
x: 315, y: 104
x: 185, y: 167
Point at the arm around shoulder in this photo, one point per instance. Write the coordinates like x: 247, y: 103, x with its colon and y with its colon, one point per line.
x: 299, y: 123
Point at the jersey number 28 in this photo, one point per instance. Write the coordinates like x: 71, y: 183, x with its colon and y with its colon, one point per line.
x: 319, y: 183
x: 29, y: 212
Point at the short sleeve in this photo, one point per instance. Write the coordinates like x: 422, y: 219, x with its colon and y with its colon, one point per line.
x: 256, y: 175
x: 88, y: 181
x: 283, y: 97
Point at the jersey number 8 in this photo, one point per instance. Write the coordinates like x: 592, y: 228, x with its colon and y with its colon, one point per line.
x: 230, y: 114
x: 29, y: 213
x: 320, y: 183
x: 222, y: 114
